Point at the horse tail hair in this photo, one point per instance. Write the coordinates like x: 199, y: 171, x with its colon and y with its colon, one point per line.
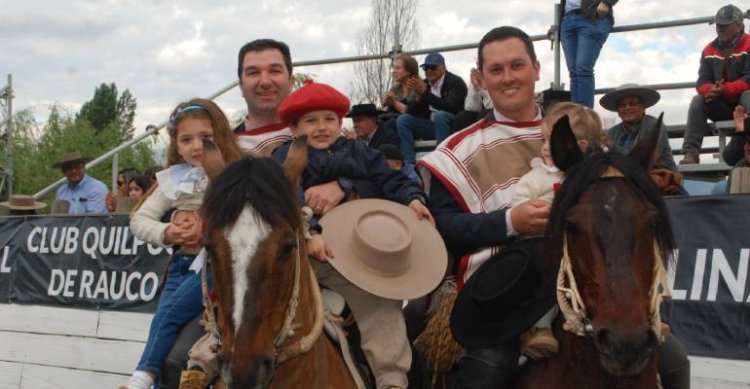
x: 296, y: 160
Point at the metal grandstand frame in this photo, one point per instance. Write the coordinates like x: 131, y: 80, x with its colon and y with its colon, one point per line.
x: 551, y: 35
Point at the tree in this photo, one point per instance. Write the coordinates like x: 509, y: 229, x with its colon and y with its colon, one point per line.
x: 107, y: 111
x: 373, y: 78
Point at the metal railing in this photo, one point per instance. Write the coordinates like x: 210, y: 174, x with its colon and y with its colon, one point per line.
x: 552, y: 35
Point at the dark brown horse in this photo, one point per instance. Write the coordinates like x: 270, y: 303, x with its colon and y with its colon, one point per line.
x: 611, y: 226
x: 269, y: 310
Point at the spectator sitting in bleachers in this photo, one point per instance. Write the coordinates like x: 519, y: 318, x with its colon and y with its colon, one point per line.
x: 138, y: 186
x: 737, y: 153
x: 439, y: 97
x: 20, y: 205
x: 400, y: 95
x: 723, y: 80
x: 83, y: 193
x: 366, y: 128
x: 123, y: 178
x: 477, y: 104
x: 630, y: 102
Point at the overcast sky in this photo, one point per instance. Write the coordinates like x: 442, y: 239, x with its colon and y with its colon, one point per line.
x: 167, y: 51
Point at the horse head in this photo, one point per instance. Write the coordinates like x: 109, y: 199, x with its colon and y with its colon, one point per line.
x: 253, y: 234
x: 611, y: 225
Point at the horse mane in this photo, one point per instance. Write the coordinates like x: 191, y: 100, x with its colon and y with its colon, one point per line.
x: 258, y: 181
x: 585, y: 173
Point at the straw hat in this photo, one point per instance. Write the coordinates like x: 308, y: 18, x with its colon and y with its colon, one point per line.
x: 381, y: 247
x: 647, y: 95
x: 22, y: 202
x: 73, y: 156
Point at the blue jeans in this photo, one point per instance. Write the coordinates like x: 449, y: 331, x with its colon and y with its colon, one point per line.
x: 410, y: 127
x: 582, y: 41
x: 181, y: 300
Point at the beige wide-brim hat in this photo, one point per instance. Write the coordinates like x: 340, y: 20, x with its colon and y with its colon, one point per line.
x: 22, y: 202
x: 383, y: 248
x: 73, y: 156
x: 647, y: 95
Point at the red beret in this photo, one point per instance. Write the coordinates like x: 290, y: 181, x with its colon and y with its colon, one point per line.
x: 312, y: 97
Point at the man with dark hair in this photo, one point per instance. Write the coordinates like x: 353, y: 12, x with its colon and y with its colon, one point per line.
x: 83, y: 193
x: 439, y: 97
x: 723, y: 81
x: 264, y: 68
x: 474, y: 173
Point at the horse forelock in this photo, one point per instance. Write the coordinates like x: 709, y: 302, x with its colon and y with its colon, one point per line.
x: 244, y: 238
x: 580, y: 179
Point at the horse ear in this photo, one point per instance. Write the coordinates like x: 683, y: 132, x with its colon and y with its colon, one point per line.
x: 213, y: 162
x: 563, y: 145
x: 296, y: 160
x: 645, y: 152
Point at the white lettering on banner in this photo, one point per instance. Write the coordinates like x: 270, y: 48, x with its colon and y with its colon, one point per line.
x: 96, y: 241
x: 733, y: 274
x: 61, y: 239
x: 56, y: 282
x: 113, y: 285
x: 4, y: 268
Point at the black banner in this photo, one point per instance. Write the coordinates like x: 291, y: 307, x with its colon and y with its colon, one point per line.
x: 81, y: 261
x: 96, y: 262
x: 709, y: 308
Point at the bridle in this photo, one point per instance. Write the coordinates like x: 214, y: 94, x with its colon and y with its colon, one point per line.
x: 572, y: 306
x: 305, y: 343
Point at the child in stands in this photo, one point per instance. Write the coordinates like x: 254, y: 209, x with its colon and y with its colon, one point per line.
x: 180, y: 186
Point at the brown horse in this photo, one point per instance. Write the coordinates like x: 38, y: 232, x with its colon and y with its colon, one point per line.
x: 269, y: 310
x: 610, y: 226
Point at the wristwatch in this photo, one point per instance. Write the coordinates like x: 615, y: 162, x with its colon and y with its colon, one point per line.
x: 346, y: 185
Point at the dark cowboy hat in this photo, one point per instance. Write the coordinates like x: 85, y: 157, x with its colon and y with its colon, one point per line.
x: 71, y: 157
x: 364, y: 110
x: 647, y: 95
x: 505, y: 296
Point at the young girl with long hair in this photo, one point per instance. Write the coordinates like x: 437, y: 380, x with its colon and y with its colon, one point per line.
x: 180, y: 186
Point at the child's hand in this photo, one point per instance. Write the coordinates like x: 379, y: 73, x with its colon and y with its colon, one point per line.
x: 739, y: 117
x: 318, y: 248
x: 422, y: 211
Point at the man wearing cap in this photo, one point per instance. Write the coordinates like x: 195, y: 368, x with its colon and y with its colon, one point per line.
x: 85, y: 194
x: 723, y: 80
x: 365, y: 123
x: 630, y: 102
x: 439, y: 97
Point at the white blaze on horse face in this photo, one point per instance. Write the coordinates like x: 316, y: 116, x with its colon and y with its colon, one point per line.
x: 248, y: 231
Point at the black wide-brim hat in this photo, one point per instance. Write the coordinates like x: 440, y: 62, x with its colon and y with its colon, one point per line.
x: 364, y: 110
x: 505, y: 296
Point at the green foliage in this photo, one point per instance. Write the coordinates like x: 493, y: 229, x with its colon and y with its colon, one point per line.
x: 102, y: 124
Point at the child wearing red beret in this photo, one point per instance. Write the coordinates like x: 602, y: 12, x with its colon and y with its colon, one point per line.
x: 316, y: 110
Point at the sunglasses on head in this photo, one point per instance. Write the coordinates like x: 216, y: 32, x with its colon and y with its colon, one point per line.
x: 429, y: 67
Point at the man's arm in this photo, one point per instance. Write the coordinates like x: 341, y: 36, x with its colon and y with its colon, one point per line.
x: 706, y: 80
x: 453, y: 95
x: 463, y: 231
x: 96, y: 202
